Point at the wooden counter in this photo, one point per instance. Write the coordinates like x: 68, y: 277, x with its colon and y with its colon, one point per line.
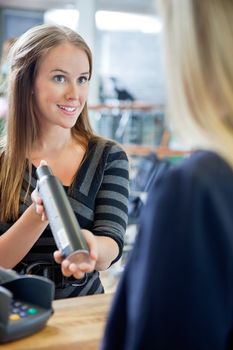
x: 77, y: 323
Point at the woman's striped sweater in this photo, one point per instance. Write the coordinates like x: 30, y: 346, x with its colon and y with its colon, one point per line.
x: 99, y: 198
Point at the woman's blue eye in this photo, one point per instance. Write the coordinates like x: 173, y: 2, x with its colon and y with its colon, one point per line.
x: 59, y: 78
x: 82, y: 80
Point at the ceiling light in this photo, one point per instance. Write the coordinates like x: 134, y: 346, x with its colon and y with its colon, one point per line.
x: 121, y: 21
x: 66, y: 17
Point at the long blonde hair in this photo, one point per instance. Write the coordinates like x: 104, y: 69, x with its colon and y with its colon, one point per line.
x: 198, y: 37
x: 22, y: 129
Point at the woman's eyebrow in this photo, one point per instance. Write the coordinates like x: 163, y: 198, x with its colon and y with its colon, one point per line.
x: 59, y: 70
x: 65, y: 72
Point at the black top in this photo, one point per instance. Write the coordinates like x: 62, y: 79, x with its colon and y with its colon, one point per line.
x: 99, y: 199
x: 177, y: 288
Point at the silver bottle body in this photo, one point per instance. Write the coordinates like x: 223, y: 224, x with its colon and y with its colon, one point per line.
x: 64, y: 225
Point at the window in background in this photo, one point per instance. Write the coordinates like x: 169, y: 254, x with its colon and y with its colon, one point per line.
x: 130, y: 48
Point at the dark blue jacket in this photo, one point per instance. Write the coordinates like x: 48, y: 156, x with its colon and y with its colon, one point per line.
x: 177, y: 289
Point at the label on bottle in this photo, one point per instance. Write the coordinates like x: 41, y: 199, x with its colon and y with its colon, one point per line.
x: 62, y: 238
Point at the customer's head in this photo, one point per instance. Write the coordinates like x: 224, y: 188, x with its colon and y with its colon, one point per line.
x: 198, y: 36
x: 25, y: 58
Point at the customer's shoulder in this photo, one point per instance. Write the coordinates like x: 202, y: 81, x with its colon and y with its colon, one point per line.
x: 205, y: 168
x: 205, y: 164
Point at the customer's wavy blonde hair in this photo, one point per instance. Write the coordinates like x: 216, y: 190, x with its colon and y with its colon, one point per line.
x: 198, y: 37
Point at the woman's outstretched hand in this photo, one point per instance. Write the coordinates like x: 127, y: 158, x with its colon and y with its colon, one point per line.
x: 83, y: 263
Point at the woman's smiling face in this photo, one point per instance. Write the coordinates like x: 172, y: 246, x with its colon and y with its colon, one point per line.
x: 61, y: 86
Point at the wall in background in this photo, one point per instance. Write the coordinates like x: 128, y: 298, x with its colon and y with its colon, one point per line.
x: 15, y: 22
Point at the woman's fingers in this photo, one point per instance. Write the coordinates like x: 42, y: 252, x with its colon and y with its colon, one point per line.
x: 75, y: 269
x: 58, y: 256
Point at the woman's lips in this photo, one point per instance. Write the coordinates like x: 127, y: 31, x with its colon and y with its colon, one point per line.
x: 68, y: 109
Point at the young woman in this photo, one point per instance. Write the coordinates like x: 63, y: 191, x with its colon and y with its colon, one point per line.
x: 177, y: 290
x: 48, y: 121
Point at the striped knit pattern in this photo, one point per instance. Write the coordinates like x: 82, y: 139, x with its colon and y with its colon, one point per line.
x: 99, y: 199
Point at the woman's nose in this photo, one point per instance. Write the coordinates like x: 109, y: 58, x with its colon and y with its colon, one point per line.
x: 72, y: 92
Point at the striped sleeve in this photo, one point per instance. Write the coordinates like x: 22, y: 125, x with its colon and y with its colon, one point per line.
x: 111, y: 211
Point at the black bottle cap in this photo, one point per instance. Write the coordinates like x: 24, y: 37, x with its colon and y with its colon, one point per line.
x: 43, y: 170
